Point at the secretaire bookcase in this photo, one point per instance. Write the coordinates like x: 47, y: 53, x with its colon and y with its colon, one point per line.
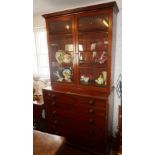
x: 81, y: 47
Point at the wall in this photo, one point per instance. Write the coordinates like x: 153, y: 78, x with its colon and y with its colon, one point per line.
x: 118, y: 66
x: 38, y: 21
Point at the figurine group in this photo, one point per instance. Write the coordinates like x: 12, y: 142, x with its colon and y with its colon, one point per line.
x: 66, y: 75
x: 101, y: 80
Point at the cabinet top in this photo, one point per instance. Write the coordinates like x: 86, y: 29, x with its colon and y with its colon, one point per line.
x: 84, y: 9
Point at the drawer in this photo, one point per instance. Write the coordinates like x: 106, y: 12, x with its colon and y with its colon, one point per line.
x: 68, y: 105
x: 76, y: 119
x: 91, y: 111
x: 63, y: 105
x: 78, y: 128
x: 48, y: 94
x: 59, y: 97
x: 91, y: 102
x: 73, y: 108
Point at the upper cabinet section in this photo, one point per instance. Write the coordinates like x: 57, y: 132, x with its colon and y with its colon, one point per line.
x: 80, y: 44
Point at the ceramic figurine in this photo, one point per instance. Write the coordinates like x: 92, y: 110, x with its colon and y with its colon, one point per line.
x: 84, y: 79
x: 59, y: 78
x: 59, y: 56
x: 67, y: 58
x: 101, y: 79
x: 67, y: 75
x: 81, y: 58
x: 105, y: 77
x: 103, y: 58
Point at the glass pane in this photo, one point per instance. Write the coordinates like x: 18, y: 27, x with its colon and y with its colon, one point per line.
x: 92, y: 23
x: 96, y: 59
x: 62, y: 74
x: 61, y: 41
x: 61, y: 27
x: 93, y: 41
x: 93, y: 34
x: 93, y: 76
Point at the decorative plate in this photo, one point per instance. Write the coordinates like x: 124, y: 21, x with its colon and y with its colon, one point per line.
x: 66, y: 72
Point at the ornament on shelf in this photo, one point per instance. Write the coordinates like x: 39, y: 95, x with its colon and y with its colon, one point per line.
x: 103, y: 58
x: 67, y: 75
x: 84, y: 79
x: 59, y: 77
x: 101, y: 80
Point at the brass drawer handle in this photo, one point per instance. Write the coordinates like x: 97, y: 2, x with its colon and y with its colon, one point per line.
x: 91, y: 132
x: 91, y: 144
x: 49, y: 94
x: 91, y: 121
x: 55, y: 122
x: 53, y: 96
x: 54, y: 112
x: 91, y: 102
x: 91, y: 111
x: 53, y: 103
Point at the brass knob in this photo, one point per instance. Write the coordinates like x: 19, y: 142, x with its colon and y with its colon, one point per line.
x: 55, y: 122
x: 91, y: 102
x: 54, y: 112
x: 91, y: 111
x: 49, y: 94
x: 53, y: 103
x: 53, y: 95
x: 91, y: 132
x: 91, y: 144
x: 91, y: 121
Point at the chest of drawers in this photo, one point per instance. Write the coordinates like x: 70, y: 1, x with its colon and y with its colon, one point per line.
x: 81, y: 119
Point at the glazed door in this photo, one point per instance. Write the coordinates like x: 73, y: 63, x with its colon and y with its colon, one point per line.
x: 61, y: 49
x: 93, y: 49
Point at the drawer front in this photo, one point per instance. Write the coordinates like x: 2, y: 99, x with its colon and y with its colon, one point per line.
x: 91, y: 102
x: 75, y: 118
x: 76, y: 125
x: 74, y: 108
x: 59, y: 97
x: 76, y: 104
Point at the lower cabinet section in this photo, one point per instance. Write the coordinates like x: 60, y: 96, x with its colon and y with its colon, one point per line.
x: 81, y: 119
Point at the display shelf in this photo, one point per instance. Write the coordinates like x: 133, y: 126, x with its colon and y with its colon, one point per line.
x: 93, y: 66
x: 94, y: 31
x: 92, y: 83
